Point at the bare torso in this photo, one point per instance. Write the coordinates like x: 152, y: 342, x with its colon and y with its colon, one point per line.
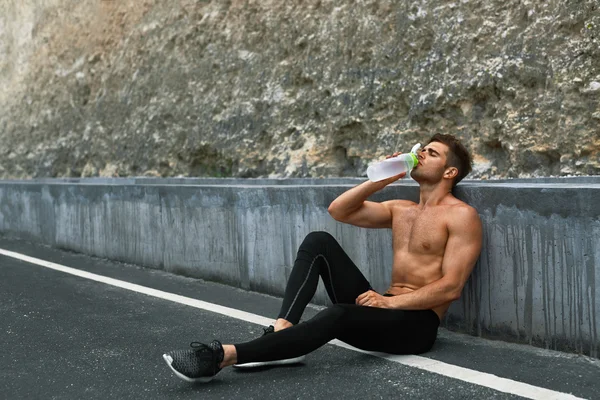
x: 419, y: 238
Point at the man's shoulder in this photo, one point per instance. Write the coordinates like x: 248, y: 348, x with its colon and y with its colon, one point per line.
x: 458, y: 205
x: 462, y: 214
x: 462, y: 206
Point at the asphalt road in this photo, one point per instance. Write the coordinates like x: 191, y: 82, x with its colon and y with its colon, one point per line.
x: 68, y: 337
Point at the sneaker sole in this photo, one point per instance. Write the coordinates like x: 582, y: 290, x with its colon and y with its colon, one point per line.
x: 169, y: 362
x: 274, y: 362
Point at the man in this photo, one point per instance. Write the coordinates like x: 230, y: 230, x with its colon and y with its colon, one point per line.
x: 436, y: 244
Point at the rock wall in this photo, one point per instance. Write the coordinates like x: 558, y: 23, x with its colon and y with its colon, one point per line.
x: 295, y: 88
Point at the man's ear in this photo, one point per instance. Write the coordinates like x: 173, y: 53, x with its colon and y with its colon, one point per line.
x: 451, y: 173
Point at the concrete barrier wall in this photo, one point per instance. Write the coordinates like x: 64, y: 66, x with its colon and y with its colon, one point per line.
x: 535, y: 281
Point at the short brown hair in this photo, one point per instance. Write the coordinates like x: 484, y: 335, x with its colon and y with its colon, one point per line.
x: 458, y: 156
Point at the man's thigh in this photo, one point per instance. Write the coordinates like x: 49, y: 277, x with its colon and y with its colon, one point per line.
x: 388, y: 330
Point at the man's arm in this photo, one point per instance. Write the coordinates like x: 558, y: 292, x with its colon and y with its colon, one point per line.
x: 352, y: 208
x: 462, y: 251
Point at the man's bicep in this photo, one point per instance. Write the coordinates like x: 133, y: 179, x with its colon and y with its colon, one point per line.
x: 371, y: 215
x: 462, y: 249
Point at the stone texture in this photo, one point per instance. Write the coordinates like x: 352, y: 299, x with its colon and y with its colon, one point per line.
x: 298, y: 89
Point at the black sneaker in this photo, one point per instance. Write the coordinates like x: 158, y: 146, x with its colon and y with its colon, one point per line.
x: 200, y: 364
x: 268, y: 331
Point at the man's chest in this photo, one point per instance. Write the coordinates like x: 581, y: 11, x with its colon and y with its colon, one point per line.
x: 420, y: 231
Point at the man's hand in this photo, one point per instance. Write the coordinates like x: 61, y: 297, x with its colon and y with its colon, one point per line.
x: 373, y: 299
x: 392, y: 179
x: 396, y: 154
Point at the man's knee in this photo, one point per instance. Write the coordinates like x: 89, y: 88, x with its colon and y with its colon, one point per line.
x: 335, y: 312
x: 318, y: 238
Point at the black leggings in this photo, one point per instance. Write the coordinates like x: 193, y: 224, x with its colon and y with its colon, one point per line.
x: 368, y: 328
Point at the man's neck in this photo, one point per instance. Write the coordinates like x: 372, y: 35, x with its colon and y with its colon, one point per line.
x: 433, y: 194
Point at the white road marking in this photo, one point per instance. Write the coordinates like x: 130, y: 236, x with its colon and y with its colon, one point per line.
x: 424, y: 363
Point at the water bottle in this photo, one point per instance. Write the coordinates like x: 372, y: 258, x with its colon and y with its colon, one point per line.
x: 394, y: 165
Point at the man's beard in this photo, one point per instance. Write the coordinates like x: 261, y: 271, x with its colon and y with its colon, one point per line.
x: 421, y: 177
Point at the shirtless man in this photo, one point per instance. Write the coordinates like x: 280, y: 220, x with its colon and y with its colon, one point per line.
x: 436, y: 244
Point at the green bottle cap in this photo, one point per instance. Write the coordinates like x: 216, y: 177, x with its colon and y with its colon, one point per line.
x: 414, y: 159
x: 413, y: 153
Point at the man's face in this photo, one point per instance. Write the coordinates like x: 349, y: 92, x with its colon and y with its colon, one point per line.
x: 432, y: 163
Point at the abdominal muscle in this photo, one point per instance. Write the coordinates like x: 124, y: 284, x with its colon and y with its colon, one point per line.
x: 406, y: 278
